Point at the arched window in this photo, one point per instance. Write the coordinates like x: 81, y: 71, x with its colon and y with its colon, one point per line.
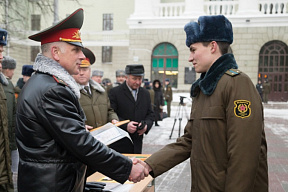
x: 165, y: 63
x: 273, y: 65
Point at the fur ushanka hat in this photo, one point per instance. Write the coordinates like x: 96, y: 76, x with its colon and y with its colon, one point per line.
x: 27, y: 70
x: 209, y: 28
x: 8, y: 63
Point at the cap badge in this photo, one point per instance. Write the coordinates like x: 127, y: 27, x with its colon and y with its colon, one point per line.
x: 76, y: 34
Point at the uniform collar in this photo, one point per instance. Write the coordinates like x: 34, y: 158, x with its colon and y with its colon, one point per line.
x: 47, y: 65
x: 209, y: 80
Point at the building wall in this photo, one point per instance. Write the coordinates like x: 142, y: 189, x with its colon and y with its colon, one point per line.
x: 248, y: 43
x: 143, y: 41
x: 246, y: 47
x: 92, y: 26
x: 119, y: 61
x: 138, y: 43
x: 21, y: 53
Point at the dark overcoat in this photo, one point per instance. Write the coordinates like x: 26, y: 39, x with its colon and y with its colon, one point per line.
x: 127, y: 108
x: 158, y: 100
x: 54, y: 146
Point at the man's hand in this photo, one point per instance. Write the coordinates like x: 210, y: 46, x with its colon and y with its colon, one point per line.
x: 132, y: 126
x: 138, y: 172
x: 88, y: 127
x: 142, y: 131
x: 114, y: 121
x: 145, y: 165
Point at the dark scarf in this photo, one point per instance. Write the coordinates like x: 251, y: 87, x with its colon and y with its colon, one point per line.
x: 209, y: 80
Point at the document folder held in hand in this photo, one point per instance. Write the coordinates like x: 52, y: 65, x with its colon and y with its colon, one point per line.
x: 110, y: 133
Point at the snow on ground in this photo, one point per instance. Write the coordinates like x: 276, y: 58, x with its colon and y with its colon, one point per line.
x: 279, y: 126
x: 279, y: 113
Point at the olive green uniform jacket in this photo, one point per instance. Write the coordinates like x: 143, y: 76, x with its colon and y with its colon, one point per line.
x: 5, y: 158
x: 168, y: 93
x: 224, y: 137
x: 11, y: 113
x: 96, y: 106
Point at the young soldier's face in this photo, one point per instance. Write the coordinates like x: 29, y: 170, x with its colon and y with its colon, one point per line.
x: 200, y: 56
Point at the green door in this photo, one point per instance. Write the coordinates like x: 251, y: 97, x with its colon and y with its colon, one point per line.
x: 165, y: 63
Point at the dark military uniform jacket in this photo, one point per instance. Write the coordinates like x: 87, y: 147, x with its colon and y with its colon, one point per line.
x: 224, y: 136
x: 54, y: 146
x: 266, y: 88
x: 96, y: 105
x: 168, y: 94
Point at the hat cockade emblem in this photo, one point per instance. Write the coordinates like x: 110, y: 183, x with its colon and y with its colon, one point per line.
x: 76, y: 34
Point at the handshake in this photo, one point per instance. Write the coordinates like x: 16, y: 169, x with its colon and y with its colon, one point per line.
x: 139, y: 170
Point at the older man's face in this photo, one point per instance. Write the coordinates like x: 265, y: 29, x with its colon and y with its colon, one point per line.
x: 98, y: 79
x: 134, y: 82
x: 70, y: 57
x: 120, y: 79
x: 8, y: 73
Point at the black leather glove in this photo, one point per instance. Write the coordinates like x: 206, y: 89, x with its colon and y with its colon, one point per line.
x: 95, y: 187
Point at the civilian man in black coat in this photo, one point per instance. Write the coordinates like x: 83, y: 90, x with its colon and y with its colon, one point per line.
x: 131, y: 101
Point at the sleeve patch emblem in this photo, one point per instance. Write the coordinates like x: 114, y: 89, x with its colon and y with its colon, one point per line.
x: 242, y: 108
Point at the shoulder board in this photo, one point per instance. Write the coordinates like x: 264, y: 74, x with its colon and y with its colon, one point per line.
x: 60, y: 81
x: 233, y: 72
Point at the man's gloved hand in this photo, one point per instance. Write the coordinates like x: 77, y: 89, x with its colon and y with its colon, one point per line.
x: 95, y: 187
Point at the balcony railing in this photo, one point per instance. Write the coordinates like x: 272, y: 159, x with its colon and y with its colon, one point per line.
x: 220, y: 7
x: 225, y: 7
x: 275, y: 7
x: 169, y: 9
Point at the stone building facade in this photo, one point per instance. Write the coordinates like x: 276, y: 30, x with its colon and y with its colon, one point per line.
x: 150, y: 32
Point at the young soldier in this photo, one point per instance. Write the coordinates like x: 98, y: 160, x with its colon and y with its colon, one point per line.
x: 224, y: 137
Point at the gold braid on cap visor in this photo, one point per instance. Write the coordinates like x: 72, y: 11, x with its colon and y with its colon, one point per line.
x: 76, y: 35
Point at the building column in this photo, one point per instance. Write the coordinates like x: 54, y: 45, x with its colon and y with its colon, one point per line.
x: 247, y: 7
x: 194, y: 8
x: 143, y: 8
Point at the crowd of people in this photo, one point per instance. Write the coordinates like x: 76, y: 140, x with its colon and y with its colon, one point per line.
x: 224, y: 137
